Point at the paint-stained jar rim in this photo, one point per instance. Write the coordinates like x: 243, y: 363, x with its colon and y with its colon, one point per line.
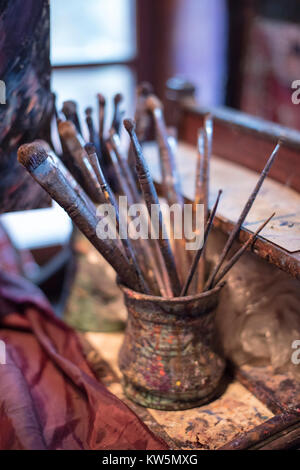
x: 134, y: 295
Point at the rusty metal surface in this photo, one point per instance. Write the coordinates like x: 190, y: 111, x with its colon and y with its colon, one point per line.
x: 206, y: 427
x: 169, y: 358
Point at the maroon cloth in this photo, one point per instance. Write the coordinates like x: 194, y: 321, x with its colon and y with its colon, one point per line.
x: 49, y: 397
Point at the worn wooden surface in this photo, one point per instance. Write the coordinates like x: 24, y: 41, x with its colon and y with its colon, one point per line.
x: 207, y: 427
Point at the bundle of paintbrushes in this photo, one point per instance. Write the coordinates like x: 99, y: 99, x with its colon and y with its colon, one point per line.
x: 95, y: 184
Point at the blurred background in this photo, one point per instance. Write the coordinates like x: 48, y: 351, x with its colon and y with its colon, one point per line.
x: 242, y: 54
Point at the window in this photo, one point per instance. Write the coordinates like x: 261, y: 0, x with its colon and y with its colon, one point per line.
x: 93, y: 50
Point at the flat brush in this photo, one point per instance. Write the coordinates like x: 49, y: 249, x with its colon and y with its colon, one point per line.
x: 240, y: 252
x: 69, y: 177
x: 150, y: 197
x: 201, y: 250
x: 42, y: 168
x: 74, y: 144
x: 245, y: 212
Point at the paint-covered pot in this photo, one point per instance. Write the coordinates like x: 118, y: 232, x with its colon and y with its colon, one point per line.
x: 169, y: 359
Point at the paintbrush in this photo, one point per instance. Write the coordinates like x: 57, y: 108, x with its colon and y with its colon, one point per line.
x: 116, y: 145
x: 170, y: 177
x: 101, y: 110
x: 150, y: 197
x: 202, y: 184
x: 240, y: 252
x: 110, y: 199
x: 69, y: 177
x: 141, y: 116
x: 69, y: 109
x: 90, y: 124
x: 42, y: 168
x: 245, y: 212
x: 197, y: 256
x: 118, y: 114
x: 74, y: 144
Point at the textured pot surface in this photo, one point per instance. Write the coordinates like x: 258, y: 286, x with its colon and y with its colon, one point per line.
x: 169, y: 358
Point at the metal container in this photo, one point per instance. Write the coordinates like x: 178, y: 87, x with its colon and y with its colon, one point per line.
x: 169, y: 358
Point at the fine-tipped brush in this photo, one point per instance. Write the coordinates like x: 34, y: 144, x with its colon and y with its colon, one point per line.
x: 170, y: 178
x: 197, y: 256
x: 116, y: 145
x: 240, y: 252
x: 202, y: 184
x: 109, y: 196
x: 245, y: 212
x: 142, y: 117
x: 150, y: 197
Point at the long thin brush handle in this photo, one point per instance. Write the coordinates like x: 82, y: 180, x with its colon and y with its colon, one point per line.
x: 242, y: 217
x: 240, y: 252
x: 116, y: 145
x: 110, y: 199
x: 200, y: 251
x: 150, y: 196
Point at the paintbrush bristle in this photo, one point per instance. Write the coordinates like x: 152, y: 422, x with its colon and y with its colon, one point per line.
x: 101, y: 99
x: 90, y: 148
x: 129, y: 125
x: 32, y: 155
x: 118, y: 98
x: 89, y: 111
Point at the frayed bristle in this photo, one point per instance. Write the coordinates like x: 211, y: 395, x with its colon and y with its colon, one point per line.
x: 32, y: 155
x: 90, y: 148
